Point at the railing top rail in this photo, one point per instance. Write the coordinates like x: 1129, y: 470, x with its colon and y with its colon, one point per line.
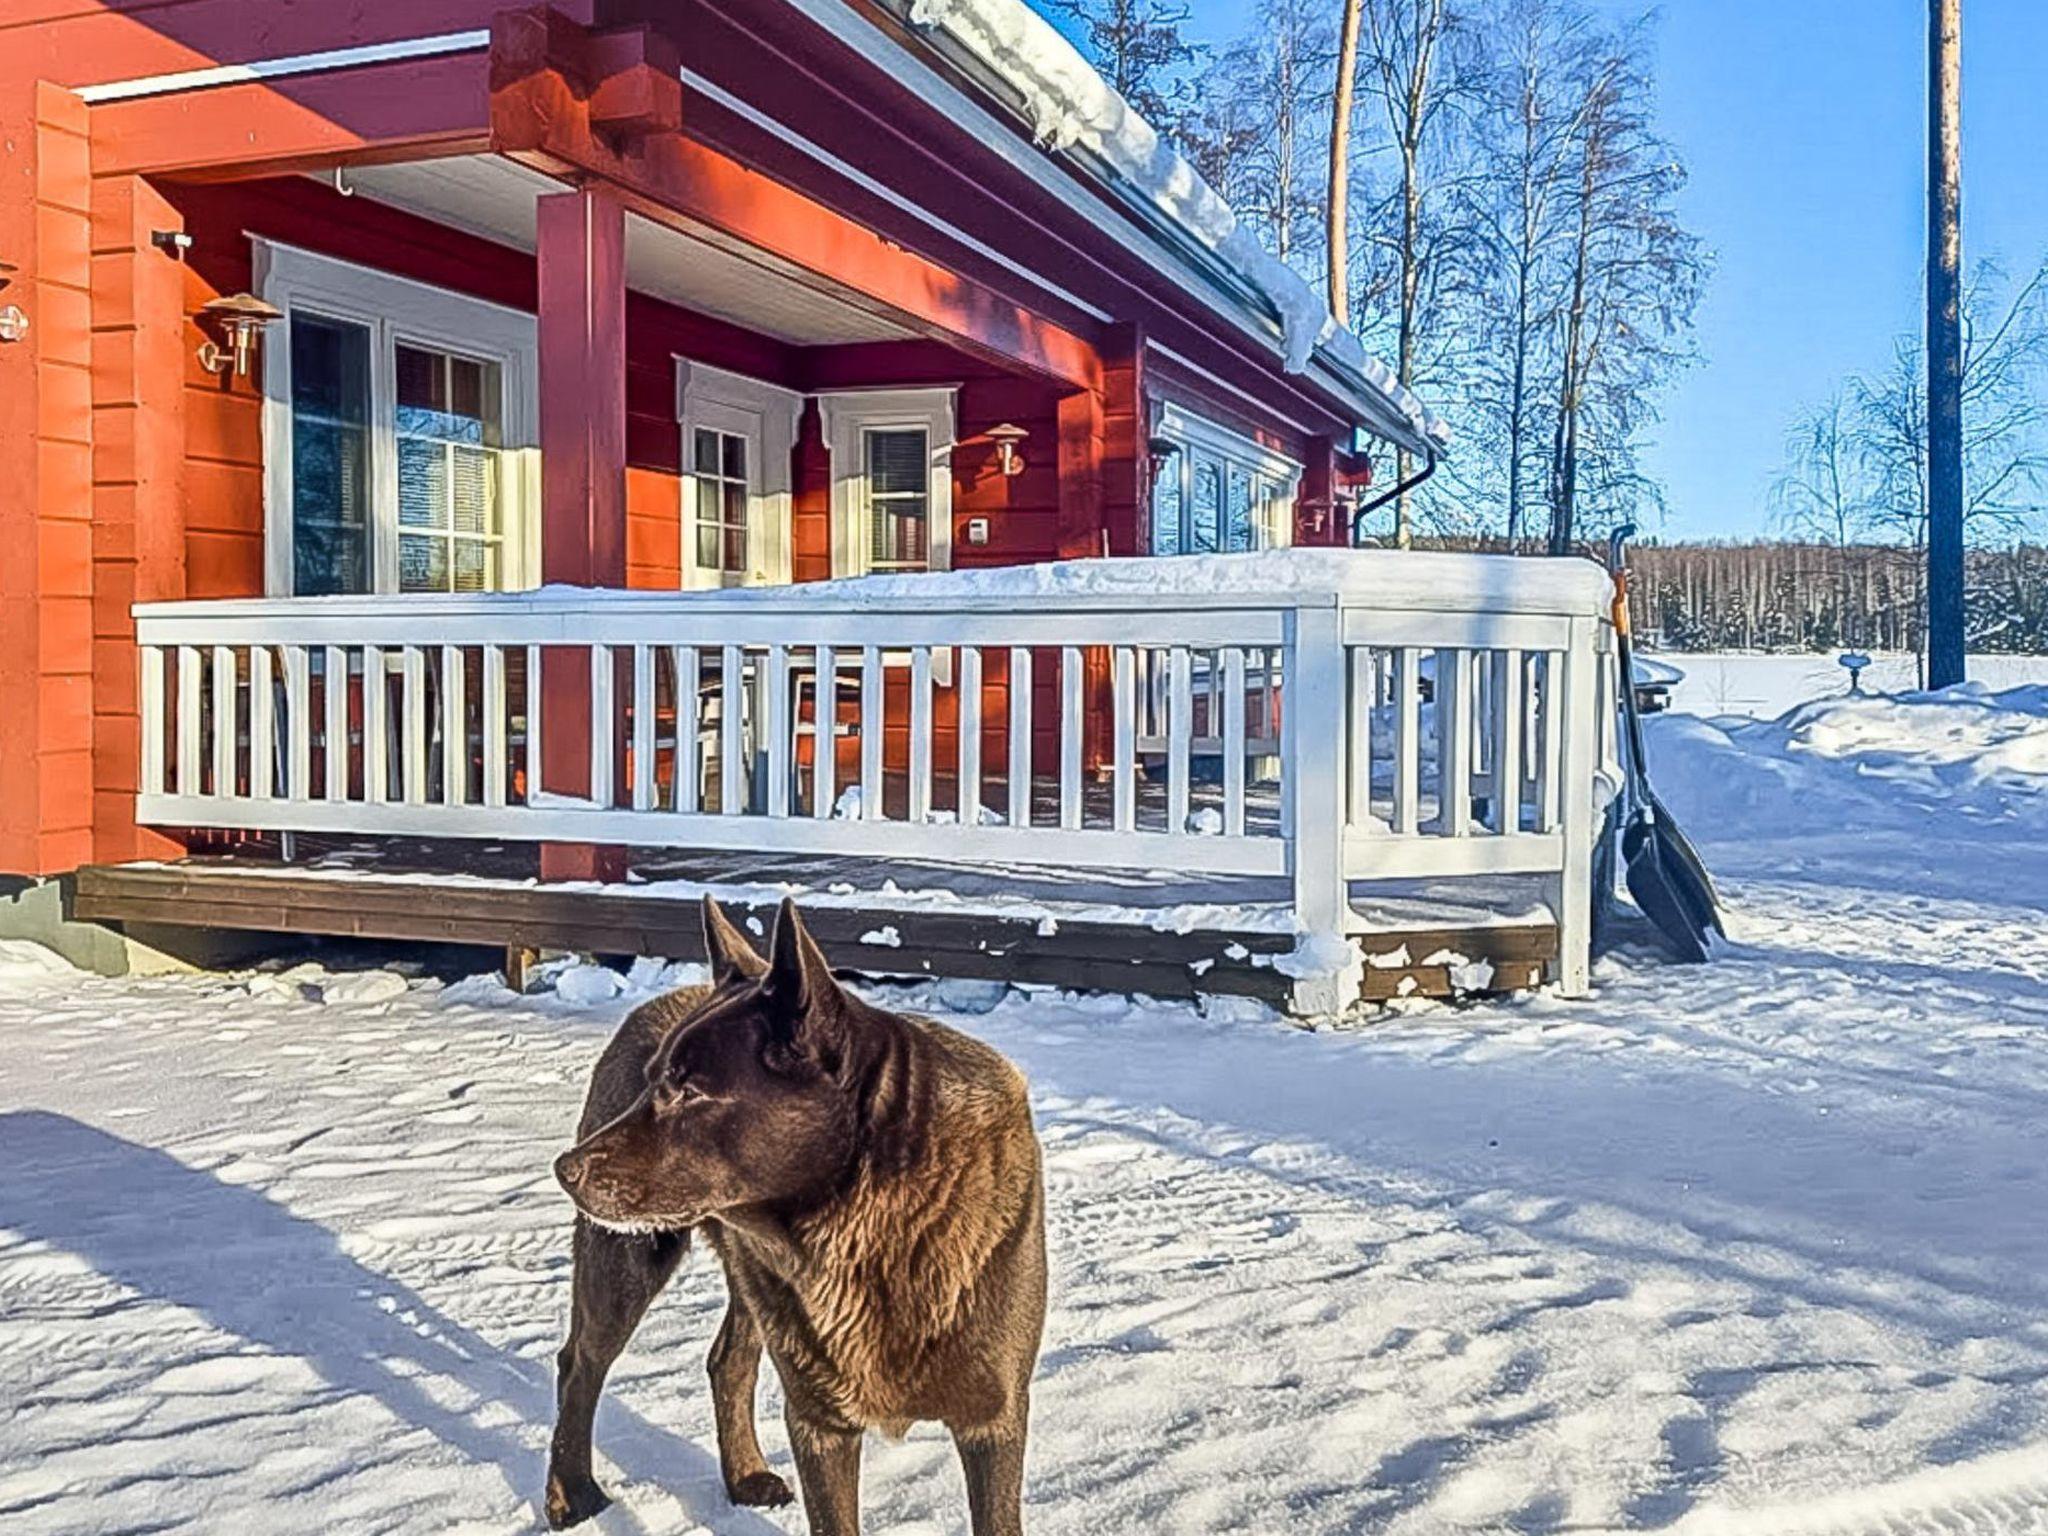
x: 1271, y: 581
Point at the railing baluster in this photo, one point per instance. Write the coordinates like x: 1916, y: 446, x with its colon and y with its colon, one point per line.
x: 152, y: 708
x: 920, y: 733
x: 689, y: 786
x: 298, y: 693
x: 604, y: 727
x: 1234, y: 747
x: 1509, y: 693
x: 412, y: 732
x: 775, y: 681
x: 731, y: 708
x: 1124, y: 700
x: 824, y: 731
x: 1454, y: 742
x: 968, y: 794
x: 224, y: 722
x: 1180, y: 730
x: 873, y: 707
x: 1550, y: 741
x: 643, y: 728
x: 492, y: 707
x: 1358, y: 734
x: 262, y: 724
x: 1407, y: 741
x: 1020, y: 737
x: 376, y: 728
x: 1071, y: 693
x: 188, y: 720
x: 335, y: 697
x: 454, y: 726
x: 533, y: 752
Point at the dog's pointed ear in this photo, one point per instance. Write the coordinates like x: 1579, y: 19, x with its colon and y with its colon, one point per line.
x: 726, y: 949
x: 806, y: 997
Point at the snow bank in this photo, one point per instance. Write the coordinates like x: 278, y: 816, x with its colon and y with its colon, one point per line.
x: 1070, y: 105
x: 1859, y: 762
x: 24, y: 964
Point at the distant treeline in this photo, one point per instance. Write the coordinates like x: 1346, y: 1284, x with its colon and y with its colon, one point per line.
x: 1780, y: 596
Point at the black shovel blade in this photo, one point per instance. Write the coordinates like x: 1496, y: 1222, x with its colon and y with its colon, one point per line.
x: 1695, y: 885
x: 1661, y: 883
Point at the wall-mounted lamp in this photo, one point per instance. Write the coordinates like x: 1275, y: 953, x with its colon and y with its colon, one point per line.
x: 1161, y: 449
x: 174, y: 243
x: 13, y: 319
x: 240, y: 318
x: 1006, y: 438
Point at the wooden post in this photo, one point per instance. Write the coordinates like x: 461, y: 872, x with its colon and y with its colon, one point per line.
x: 1126, y: 433
x: 581, y: 245
x: 1328, y: 972
x: 1576, y: 822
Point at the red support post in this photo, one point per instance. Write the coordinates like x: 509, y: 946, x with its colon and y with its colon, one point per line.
x: 1317, y: 516
x: 581, y: 246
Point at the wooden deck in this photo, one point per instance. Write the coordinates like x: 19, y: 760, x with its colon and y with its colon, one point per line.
x: 914, y: 923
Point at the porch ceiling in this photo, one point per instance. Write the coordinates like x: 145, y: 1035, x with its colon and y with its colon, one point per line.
x: 493, y: 197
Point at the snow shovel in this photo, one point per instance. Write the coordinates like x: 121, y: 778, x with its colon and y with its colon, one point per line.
x: 1664, y: 873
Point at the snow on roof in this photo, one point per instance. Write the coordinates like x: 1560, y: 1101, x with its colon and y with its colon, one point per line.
x: 1071, y: 105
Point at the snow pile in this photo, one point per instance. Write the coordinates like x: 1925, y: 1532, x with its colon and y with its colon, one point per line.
x: 25, y: 965
x: 1070, y: 105
x: 1859, y: 762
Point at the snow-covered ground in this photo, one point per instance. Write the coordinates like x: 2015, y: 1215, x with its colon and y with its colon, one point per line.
x: 1765, y: 686
x: 1753, y: 1248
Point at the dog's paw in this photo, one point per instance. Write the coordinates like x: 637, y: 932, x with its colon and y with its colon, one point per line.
x: 572, y: 1503
x: 760, y: 1490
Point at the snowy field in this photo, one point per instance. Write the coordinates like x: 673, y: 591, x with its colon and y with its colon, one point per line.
x: 1765, y: 686
x: 1752, y: 1248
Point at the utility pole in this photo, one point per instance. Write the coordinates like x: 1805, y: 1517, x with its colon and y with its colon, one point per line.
x: 1945, y: 649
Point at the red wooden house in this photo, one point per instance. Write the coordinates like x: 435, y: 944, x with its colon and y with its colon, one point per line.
x: 391, y: 301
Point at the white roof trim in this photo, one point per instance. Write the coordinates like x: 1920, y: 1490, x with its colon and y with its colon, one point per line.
x: 293, y: 64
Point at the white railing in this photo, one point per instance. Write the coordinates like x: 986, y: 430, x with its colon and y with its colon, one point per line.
x: 1352, y: 718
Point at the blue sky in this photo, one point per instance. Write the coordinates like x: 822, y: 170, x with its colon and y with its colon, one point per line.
x: 1802, y: 122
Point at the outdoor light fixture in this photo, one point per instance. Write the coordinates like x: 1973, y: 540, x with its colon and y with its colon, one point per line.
x: 174, y: 243
x: 13, y: 319
x: 239, y: 317
x: 1006, y: 438
x: 1161, y: 449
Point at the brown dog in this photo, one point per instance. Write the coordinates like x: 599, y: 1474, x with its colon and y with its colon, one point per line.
x: 871, y: 1183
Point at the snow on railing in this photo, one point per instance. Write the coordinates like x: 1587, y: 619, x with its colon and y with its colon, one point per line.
x: 1329, y: 717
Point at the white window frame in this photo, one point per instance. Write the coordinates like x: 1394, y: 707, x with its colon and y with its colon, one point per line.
x: 848, y: 418
x: 395, y: 310
x: 766, y: 416
x: 1275, y: 478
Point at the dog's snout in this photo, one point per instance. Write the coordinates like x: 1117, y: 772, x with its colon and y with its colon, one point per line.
x: 572, y: 1168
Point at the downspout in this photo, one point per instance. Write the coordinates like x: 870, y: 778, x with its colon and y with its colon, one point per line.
x: 1358, y: 518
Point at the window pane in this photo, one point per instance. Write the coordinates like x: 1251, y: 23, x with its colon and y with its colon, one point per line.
x: 1166, y: 508
x: 704, y: 458
x: 422, y: 483
x: 330, y: 365
x: 735, y: 457
x: 475, y: 565
x: 1237, y: 532
x: 1208, y: 506
x: 422, y: 563
x: 897, y: 461
x: 473, y: 491
x: 708, y: 539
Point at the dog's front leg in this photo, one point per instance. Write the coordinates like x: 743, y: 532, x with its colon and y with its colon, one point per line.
x: 616, y: 1278
x: 993, y: 1459
x: 828, y: 1467
x: 735, y: 1370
